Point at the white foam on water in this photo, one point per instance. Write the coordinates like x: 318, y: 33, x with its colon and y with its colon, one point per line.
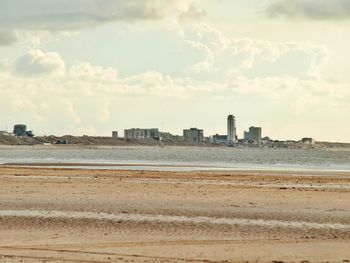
x: 170, y: 219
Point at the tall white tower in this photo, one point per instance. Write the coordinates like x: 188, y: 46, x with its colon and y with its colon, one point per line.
x: 231, y: 129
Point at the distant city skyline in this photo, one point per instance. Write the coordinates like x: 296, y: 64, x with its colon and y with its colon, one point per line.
x: 231, y: 128
x: 92, y: 67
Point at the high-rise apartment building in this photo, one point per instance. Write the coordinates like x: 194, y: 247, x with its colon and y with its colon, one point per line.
x: 231, y: 129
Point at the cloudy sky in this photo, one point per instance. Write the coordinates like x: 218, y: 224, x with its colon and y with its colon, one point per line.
x: 93, y: 66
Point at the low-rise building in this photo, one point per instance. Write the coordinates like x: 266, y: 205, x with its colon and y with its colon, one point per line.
x: 266, y: 141
x: 220, y: 139
x: 6, y: 133
x: 165, y: 136
x: 20, y: 130
x: 178, y: 138
x: 137, y: 133
x: 310, y: 141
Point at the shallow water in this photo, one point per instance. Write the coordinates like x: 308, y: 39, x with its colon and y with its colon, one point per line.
x: 216, y: 157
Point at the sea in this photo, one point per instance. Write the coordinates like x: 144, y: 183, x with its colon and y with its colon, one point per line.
x: 180, y: 157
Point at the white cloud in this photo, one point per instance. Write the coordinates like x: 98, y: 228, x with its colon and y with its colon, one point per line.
x: 87, y: 72
x: 208, y: 63
x: 4, y: 64
x: 87, y: 80
x: 88, y: 95
x: 64, y: 15
x: 205, y: 39
x: 153, y: 83
x: 7, y: 36
x: 69, y: 111
x: 38, y: 63
x: 87, y: 98
x: 226, y: 56
x: 312, y: 9
x: 104, y: 114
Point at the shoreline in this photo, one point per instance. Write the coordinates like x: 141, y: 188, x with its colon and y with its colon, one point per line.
x: 174, y: 167
x: 120, y: 143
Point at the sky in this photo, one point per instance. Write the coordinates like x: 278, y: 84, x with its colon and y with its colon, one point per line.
x: 93, y: 66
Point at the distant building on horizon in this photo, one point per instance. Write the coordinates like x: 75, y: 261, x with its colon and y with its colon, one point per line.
x: 193, y: 135
x: 231, y: 129
x: 20, y: 130
x: 115, y: 134
x: 220, y: 139
x: 165, y: 136
x: 137, y: 133
x: 310, y: 141
x: 253, y: 135
x: 6, y: 133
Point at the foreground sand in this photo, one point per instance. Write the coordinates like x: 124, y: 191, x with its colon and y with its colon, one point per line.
x: 68, y: 215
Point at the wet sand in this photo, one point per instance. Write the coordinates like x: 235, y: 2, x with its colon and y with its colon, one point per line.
x: 85, y: 215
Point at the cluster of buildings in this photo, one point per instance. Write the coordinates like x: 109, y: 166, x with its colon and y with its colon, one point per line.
x: 191, y: 135
x: 252, y: 137
x: 138, y: 133
x: 19, y: 130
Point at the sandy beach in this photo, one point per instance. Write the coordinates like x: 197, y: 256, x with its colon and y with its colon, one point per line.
x: 86, y: 215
